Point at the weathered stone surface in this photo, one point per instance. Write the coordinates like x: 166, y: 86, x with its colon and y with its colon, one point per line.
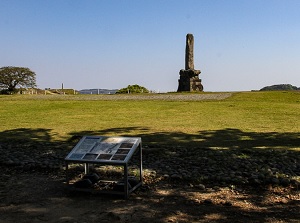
x: 189, y: 78
x: 189, y: 73
x: 189, y: 52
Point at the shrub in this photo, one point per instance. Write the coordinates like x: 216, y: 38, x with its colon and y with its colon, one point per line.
x: 133, y: 89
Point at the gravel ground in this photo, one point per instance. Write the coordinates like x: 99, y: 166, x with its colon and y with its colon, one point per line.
x: 164, y: 97
x: 169, y: 97
x: 197, y: 166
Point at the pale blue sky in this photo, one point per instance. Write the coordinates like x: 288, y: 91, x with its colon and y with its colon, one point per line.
x: 240, y: 45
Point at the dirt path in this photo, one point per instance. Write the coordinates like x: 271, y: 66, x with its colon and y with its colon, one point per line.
x: 41, y: 197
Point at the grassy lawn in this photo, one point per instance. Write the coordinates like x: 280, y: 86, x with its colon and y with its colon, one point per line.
x: 246, y: 119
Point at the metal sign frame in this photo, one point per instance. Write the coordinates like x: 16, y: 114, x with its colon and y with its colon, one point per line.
x: 103, y: 150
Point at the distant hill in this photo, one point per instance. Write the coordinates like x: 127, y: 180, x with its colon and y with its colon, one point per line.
x: 280, y: 87
x: 98, y: 91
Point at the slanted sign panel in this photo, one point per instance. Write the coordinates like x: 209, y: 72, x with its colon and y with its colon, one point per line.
x: 103, y: 149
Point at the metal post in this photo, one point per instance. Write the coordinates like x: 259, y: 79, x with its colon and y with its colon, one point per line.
x: 67, y: 175
x: 141, y: 163
x: 126, y: 181
x: 86, y: 168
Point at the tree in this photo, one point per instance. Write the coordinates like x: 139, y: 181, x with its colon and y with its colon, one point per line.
x: 133, y: 89
x: 13, y: 77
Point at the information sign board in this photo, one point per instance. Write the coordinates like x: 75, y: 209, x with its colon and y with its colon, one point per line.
x: 104, y: 149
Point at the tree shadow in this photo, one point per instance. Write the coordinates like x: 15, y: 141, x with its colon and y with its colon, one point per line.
x: 231, y: 138
x: 225, y: 159
x: 22, y: 135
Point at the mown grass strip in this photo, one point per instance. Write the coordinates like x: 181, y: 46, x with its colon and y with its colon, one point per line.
x: 157, y: 121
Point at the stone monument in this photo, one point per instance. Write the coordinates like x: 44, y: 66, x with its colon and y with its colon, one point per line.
x: 189, y: 77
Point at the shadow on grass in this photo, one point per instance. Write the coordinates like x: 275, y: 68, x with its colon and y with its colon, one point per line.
x: 231, y: 138
x: 261, y: 158
x: 25, y: 135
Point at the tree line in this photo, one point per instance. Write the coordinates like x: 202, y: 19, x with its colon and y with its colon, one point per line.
x: 15, y: 79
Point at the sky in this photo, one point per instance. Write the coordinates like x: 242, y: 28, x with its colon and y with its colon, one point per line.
x: 239, y: 45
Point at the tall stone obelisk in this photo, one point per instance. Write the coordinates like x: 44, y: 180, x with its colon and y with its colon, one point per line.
x: 189, y: 77
x: 189, y: 52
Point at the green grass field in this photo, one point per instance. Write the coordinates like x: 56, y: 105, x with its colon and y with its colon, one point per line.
x: 246, y: 119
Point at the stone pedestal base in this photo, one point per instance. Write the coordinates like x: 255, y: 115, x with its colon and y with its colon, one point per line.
x: 189, y: 81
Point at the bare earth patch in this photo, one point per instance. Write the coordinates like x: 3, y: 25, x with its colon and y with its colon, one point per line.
x: 42, y: 197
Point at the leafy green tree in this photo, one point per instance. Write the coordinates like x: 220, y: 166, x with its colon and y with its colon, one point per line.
x: 133, y: 89
x: 13, y: 77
